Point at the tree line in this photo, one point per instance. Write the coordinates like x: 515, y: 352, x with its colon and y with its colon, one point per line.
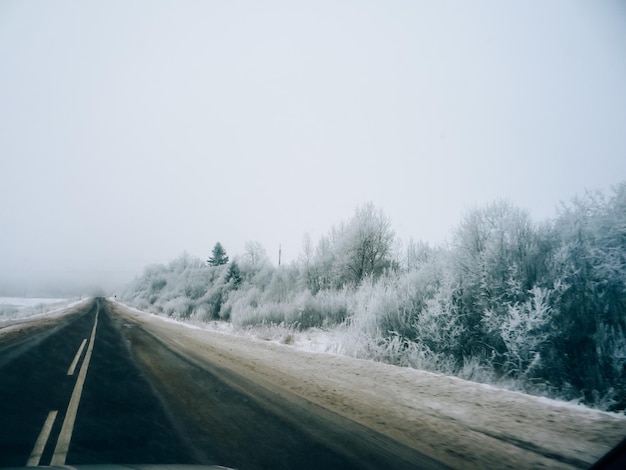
x: 540, y: 307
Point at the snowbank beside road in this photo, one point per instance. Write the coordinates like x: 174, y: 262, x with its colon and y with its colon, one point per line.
x: 19, y: 323
x: 13, y: 308
x: 460, y: 423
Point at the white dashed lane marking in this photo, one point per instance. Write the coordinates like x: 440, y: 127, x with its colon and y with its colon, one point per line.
x: 74, y: 363
x: 63, y: 444
x: 40, y: 444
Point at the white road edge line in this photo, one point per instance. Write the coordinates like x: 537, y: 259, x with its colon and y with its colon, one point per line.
x: 63, y: 444
x: 72, y: 368
x: 42, y: 440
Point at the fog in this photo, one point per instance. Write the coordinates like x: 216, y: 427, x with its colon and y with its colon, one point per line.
x: 133, y: 131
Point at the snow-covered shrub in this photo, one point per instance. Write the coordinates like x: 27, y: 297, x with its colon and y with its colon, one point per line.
x: 409, y: 319
x: 242, y: 304
x: 297, y: 309
x: 523, y: 331
x: 324, y: 309
x: 438, y: 325
x: 478, y: 370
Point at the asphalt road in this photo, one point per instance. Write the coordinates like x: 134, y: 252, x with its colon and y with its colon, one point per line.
x: 95, y: 388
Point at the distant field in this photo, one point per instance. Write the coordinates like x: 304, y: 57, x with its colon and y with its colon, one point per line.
x: 21, y: 302
x: 21, y: 307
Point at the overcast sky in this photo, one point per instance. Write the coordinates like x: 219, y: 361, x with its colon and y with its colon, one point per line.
x: 131, y: 131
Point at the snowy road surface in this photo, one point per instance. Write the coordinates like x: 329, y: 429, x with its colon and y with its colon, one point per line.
x: 93, y: 387
x: 70, y: 395
x: 154, y: 391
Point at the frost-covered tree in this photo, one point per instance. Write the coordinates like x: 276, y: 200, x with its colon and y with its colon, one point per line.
x: 255, y: 253
x: 494, y: 256
x: 307, y: 266
x: 363, y: 246
x: 350, y: 252
x: 590, y: 266
x: 320, y: 270
x: 366, y: 245
x: 417, y: 253
x: 218, y: 256
x: 183, y: 262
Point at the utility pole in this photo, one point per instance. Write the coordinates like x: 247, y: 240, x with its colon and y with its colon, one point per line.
x: 280, y: 253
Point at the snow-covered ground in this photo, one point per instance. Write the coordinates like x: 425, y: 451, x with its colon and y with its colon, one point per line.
x: 21, y: 302
x: 461, y: 423
x: 15, y: 308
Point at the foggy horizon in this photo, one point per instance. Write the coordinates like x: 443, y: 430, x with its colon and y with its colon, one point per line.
x: 131, y: 133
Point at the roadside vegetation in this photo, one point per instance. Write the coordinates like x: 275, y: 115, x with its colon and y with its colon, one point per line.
x: 537, y: 307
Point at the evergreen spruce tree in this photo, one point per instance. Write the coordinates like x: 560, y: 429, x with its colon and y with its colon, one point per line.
x: 234, y: 274
x: 218, y: 256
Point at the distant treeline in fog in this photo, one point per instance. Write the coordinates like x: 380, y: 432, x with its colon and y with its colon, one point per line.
x: 540, y: 307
